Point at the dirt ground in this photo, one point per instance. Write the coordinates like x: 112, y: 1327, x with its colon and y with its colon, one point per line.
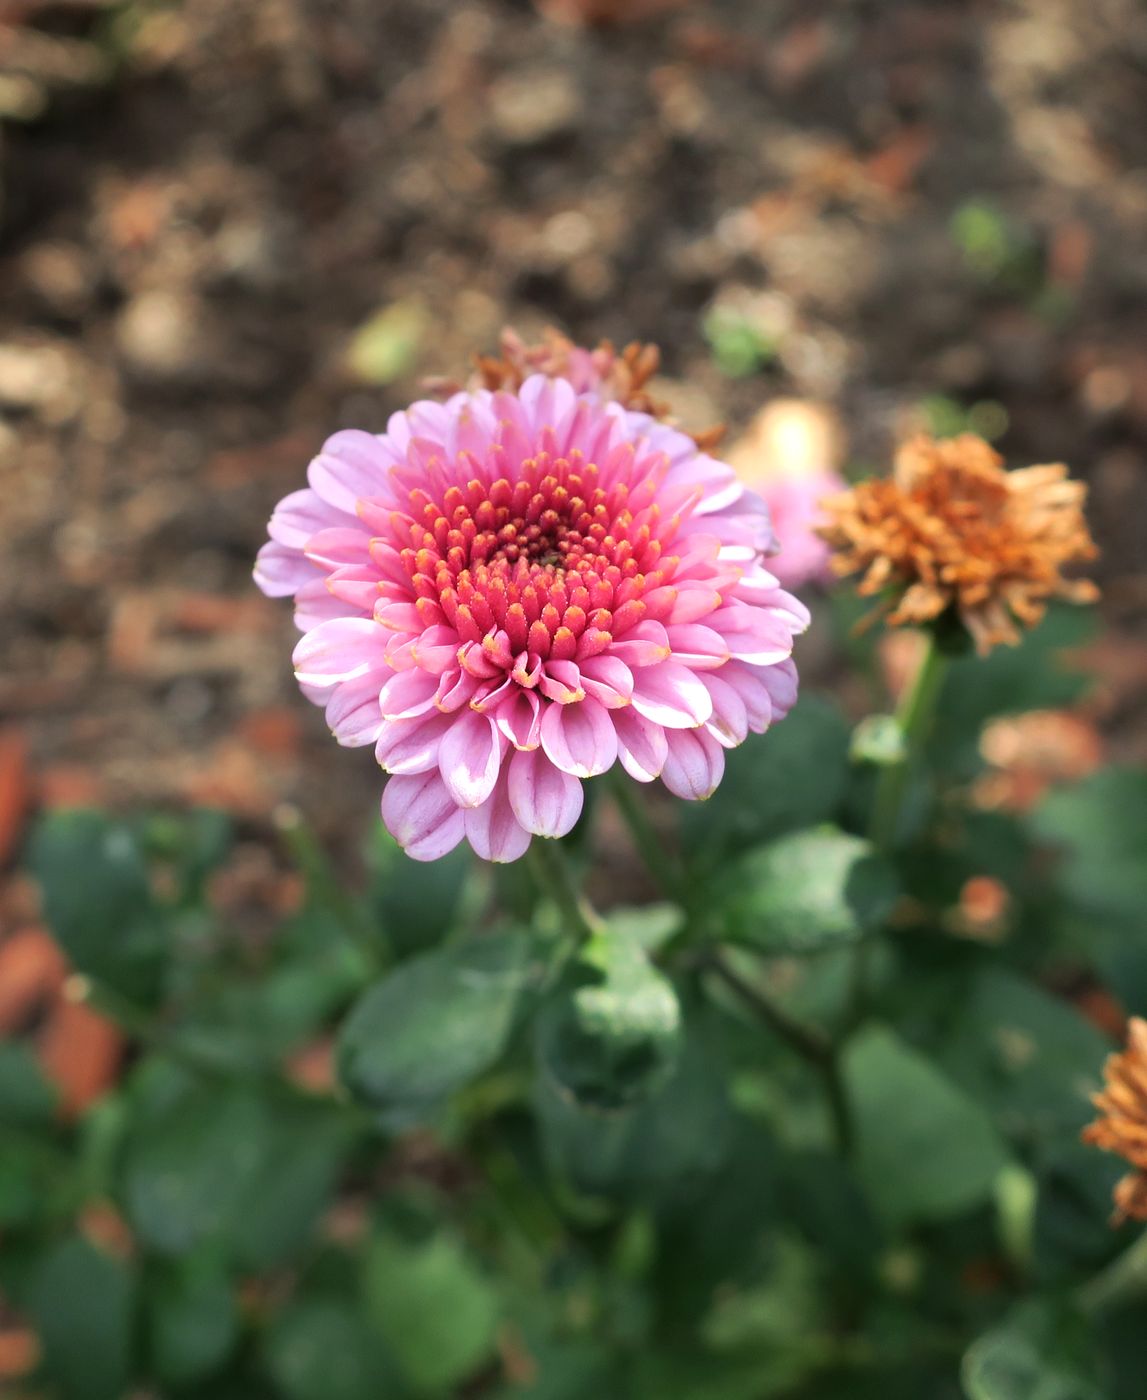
x: 230, y: 227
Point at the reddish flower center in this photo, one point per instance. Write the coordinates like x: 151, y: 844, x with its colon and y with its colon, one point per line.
x: 554, y: 559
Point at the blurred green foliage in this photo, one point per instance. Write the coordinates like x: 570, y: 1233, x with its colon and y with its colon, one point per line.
x: 550, y: 1170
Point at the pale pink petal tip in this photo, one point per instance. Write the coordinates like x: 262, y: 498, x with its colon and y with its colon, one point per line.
x: 508, y: 593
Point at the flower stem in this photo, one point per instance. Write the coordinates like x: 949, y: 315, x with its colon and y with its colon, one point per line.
x: 645, y: 838
x: 1124, y: 1279
x: 808, y: 1041
x: 913, y: 716
x: 555, y: 880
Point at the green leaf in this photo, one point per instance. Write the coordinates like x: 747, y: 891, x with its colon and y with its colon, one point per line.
x: 325, y: 1349
x: 193, y: 1322
x: 648, y: 927
x: 433, y: 1024
x: 1040, y: 1353
x: 434, y: 1307
x: 810, y: 891
x: 926, y: 1152
x: 1030, y: 1058
x: 82, y: 1303
x: 27, y: 1100
x: 98, y: 901
x: 194, y: 1155
x: 788, y: 779
x: 611, y: 1035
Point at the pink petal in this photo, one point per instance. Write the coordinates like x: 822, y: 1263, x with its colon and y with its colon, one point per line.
x: 753, y: 691
x: 519, y: 718
x: 300, y: 515
x: 729, y: 722
x: 545, y: 800
x: 645, y: 644
x: 353, y: 713
x: 408, y: 693
x: 695, y: 765
x: 353, y: 465
x: 701, y: 648
x: 281, y: 571
x: 782, y: 684
x: 561, y: 682
x: 316, y: 604
x: 493, y: 830
x: 642, y: 745
x: 340, y: 650
x: 671, y: 695
x: 752, y: 635
x: 470, y: 757
x: 608, y: 679
x: 693, y: 604
x: 339, y: 546
x: 421, y: 816
x: 411, y: 745
x: 579, y: 739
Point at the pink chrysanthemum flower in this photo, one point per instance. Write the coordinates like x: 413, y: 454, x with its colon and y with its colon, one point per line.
x: 794, y: 504
x: 511, y: 591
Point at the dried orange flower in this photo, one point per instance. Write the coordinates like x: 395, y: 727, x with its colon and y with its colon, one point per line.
x: 622, y: 377
x: 1122, y: 1123
x: 952, y: 528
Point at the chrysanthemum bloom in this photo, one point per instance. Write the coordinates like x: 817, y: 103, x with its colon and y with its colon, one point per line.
x: 620, y: 376
x: 509, y: 592
x: 952, y: 528
x: 795, y: 509
x: 1122, y: 1124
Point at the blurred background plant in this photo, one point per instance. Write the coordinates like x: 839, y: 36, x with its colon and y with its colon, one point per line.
x: 228, y: 230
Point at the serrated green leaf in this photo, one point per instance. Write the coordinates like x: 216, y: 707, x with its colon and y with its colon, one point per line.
x: 433, y: 1024
x: 810, y: 891
x: 611, y: 1034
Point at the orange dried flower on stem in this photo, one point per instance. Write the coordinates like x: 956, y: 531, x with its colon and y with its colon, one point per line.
x: 952, y: 529
x: 1122, y: 1123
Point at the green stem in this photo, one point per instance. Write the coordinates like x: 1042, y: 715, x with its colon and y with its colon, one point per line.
x: 913, y: 716
x: 556, y: 881
x: 808, y: 1041
x: 1124, y: 1279
x: 665, y: 874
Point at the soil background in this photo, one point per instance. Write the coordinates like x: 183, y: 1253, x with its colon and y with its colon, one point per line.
x: 230, y: 227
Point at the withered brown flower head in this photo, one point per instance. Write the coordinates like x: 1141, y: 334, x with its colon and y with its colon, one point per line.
x: 952, y: 528
x: 1122, y: 1123
x: 621, y: 376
